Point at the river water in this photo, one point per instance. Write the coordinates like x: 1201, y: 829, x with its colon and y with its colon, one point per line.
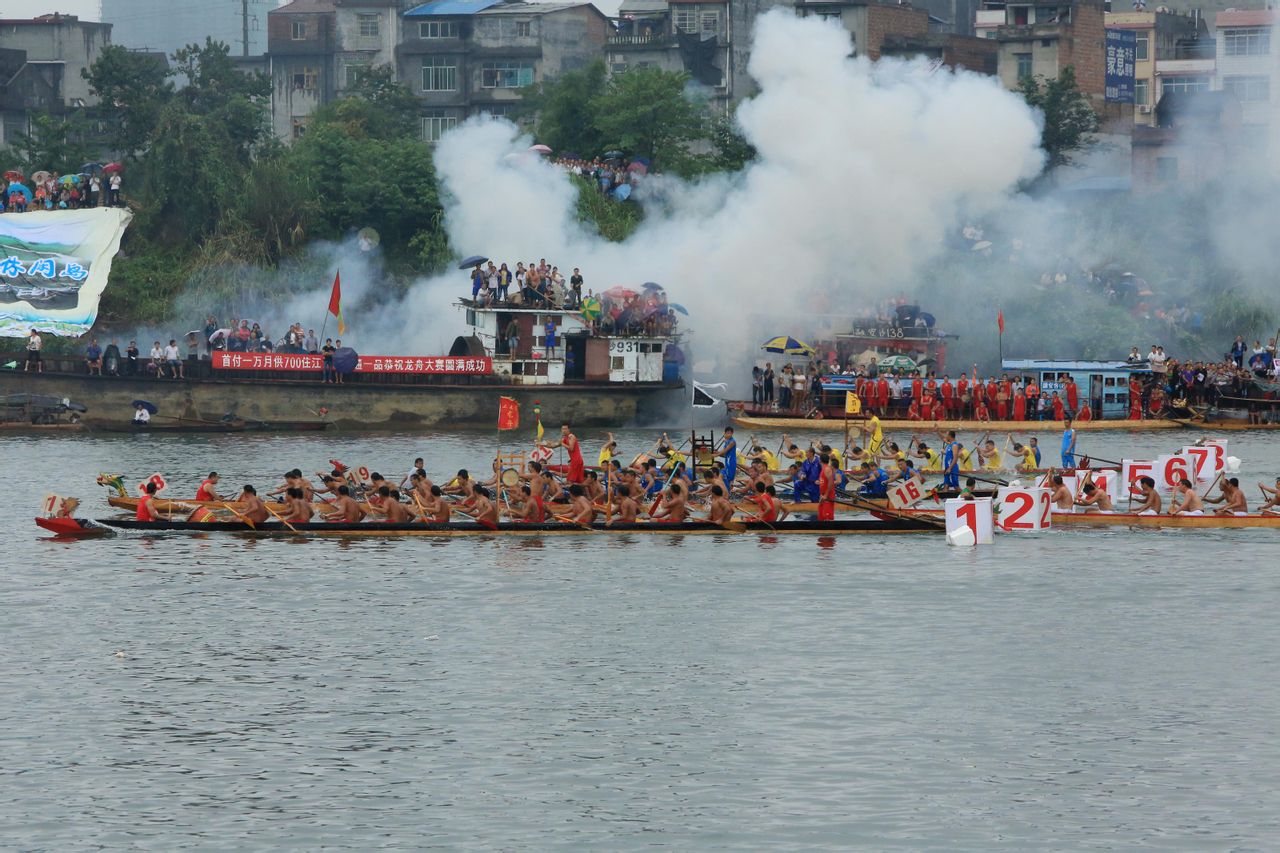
x: 1107, y: 689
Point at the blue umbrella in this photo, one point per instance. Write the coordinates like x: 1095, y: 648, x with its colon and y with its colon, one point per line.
x: 622, y: 192
x: 472, y: 261
x: 91, y: 168
x: 345, y: 360
x: 652, y: 285
x: 676, y: 306
x: 16, y: 187
x: 150, y: 407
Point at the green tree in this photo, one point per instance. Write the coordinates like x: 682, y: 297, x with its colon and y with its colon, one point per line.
x: 1069, y: 120
x: 133, y: 87
x: 566, y: 118
x: 54, y: 143
x: 732, y: 150
x: 396, y: 106
x: 644, y: 112
x: 217, y: 90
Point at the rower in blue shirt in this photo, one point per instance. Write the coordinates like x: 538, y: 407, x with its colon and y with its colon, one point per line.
x: 1068, y: 445
x: 729, y: 452
x: 875, y: 482
x: 1035, y: 448
x: 806, y: 488
x: 950, y: 460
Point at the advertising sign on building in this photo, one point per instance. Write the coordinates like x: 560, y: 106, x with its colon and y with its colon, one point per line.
x: 1122, y: 52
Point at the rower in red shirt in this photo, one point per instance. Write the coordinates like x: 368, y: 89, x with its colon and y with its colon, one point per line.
x: 146, y: 509
x: 207, y: 492
x: 826, y: 490
x: 766, y: 498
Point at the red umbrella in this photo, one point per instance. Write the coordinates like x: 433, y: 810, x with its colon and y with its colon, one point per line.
x: 112, y: 168
x: 14, y: 175
x: 620, y: 292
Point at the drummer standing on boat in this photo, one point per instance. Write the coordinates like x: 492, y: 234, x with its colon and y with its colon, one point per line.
x: 1068, y: 445
x: 577, y: 468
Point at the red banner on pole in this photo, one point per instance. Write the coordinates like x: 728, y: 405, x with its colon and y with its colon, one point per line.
x: 1000, y: 321
x: 508, y: 413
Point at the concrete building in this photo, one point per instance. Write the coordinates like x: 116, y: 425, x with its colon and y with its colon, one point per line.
x: 1195, y: 139
x: 1042, y: 37
x: 968, y: 53
x: 1169, y: 46
x: 57, y: 48
x: 1247, y: 63
x: 167, y: 25
x: 868, y: 23
x: 675, y: 35
x: 463, y: 57
x: 317, y: 50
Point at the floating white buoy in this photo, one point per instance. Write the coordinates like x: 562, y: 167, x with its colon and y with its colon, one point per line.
x: 1015, y: 484
x: 1233, y: 464
x: 120, y: 655
x: 962, y: 538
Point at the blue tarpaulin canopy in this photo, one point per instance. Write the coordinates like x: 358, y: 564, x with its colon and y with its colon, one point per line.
x: 450, y: 7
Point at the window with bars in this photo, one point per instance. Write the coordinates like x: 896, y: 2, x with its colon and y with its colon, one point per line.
x: 506, y: 75
x: 367, y: 26
x: 1249, y: 89
x: 439, y: 74
x: 685, y: 19
x: 305, y: 79
x: 434, y: 123
x: 1247, y: 41
x: 524, y: 29
x: 1184, y: 84
x: 438, y: 30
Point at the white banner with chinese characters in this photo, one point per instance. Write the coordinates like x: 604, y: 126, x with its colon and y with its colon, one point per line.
x: 54, y: 266
x: 469, y: 365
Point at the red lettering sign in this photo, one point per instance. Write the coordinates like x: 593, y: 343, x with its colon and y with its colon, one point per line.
x: 308, y: 363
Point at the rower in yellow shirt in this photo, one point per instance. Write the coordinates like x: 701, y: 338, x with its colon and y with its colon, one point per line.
x: 966, y: 457
x: 607, y: 452
x: 770, y: 461
x: 933, y: 459
x: 1028, y: 454
x: 990, y: 456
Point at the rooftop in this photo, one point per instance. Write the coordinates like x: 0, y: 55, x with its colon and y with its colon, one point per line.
x: 1245, y: 18
x: 299, y: 7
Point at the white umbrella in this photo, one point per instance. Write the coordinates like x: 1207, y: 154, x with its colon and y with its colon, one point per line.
x: 221, y: 333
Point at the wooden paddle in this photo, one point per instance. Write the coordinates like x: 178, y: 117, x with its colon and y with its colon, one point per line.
x: 860, y: 503
x: 279, y: 517
x: 243, y: 518
x: 564, y: 519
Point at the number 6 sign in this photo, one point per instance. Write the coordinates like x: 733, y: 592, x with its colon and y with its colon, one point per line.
x: 905, y: 494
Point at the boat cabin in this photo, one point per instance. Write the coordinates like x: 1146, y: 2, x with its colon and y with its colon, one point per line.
x: 1105, y: 384
x: 554, y: 346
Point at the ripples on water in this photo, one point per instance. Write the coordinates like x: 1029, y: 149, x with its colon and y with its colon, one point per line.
x: 1106, y: 689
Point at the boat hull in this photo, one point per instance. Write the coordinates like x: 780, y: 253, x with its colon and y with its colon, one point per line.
x: 353, y: 406
x: 82, y: 527
x: 837, y: 424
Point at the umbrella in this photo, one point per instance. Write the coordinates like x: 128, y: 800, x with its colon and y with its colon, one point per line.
x: 221, y: 333
x: 150, y: 407
x: 897, y: 362
x: 70, y: 180
x: 20, y: 188
x: 867, y: 358
x: 622, y: 192
x: 41, y: 177
x: 14, y: 175
x: 541, y: 149
x: 472, y: 261
x: 112, y: 168
x: 787, y: 345
x: 91, y: 168
x: 639, y: 168
x: 652, y: 285
x: 613, y: 155
x: 982, y: 245
x: 676, y: 306
x: 643, y: 161
x: 620, y: 292
x: 591, y: 308
x: 345, y: 360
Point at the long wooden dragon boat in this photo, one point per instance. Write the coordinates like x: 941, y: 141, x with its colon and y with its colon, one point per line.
x: 78, y: 527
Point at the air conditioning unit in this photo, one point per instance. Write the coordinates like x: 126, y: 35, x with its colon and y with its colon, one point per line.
x: 1144, y: 109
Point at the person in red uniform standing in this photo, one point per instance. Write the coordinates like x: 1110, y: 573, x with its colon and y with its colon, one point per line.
x: 1057, y: 407
x: 577, y: 469
x: 948, y: 397
x: 146, y: 509
x: 1019, y: 405
x: 962, y: 388
x: 917, y: 388
x: 1073, y: 395
x: 208, y: 490
x: 926, y: 407
x: 826, y: 490
x: 882, y: 395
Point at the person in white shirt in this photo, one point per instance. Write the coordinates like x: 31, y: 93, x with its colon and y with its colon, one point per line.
x: 115, y: 190
x: 174, y: 359
x: 95, y: 191
x: 34, y: 343
x: 157, y: 359
x: 141, y: 415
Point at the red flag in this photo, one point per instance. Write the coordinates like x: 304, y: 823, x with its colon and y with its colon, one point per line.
x: 335, y: 302
x: 508, y: 413
x: 1000, y: 321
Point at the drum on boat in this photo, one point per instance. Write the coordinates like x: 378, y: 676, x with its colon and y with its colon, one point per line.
x: 510, y: 477
x: 202, y: 514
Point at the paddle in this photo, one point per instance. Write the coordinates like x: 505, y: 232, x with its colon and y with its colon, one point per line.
x: 279, y: 517
x: 754, y: 513
x: 243, y: 518
x: 860, y: 503
x: 564, y: 519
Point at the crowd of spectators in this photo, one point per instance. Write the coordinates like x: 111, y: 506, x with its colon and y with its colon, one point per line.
x: 607, y: 174
x: 52, y: 191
